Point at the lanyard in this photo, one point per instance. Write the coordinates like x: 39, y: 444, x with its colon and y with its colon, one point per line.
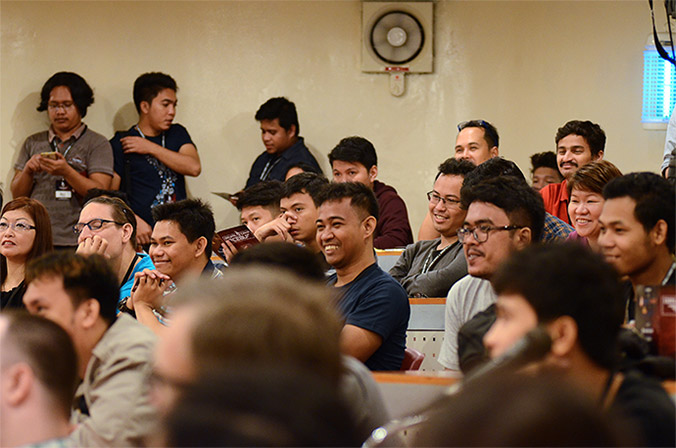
x: 268, y: 168
x: 144, y: 136
x: 429, y: 261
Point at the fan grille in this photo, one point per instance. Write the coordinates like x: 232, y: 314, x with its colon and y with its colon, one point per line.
x: 398, y: 26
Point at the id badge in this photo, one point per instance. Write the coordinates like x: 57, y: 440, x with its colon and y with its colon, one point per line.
x: 63, y: 192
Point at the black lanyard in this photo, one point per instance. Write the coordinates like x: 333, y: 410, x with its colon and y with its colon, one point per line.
x: 131, y: 268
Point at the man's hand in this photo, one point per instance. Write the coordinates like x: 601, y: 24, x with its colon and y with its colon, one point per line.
x: 56, y: 167
x: 275, y: 230
x: 137, y: 145
x: 229, y: 250
x: 33, y: 165
x: 93, y: 245
x: 143, y: 231
x: 148, y: 289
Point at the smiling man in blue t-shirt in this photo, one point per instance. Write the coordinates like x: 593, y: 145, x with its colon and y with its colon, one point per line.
x: 375, y: 305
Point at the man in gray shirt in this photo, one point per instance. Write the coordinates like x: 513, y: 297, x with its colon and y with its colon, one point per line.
x: 430, y: 268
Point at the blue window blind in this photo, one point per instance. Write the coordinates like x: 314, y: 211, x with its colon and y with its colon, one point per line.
x: 659, y: 88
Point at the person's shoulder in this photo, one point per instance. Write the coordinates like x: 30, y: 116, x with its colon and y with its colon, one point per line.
x: 379, y: 279
x: 177, y: 128
x: 553, y: 190
x: 94, y: 136
x: 381, y: 188
x: 126, y: 335
x: 466, y: 283
x: 41, y: 136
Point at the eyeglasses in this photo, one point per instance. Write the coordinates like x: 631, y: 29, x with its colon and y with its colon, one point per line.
x: 434, y: 199
x: 480, y: 233
x: 57, y: 106
x: 94, y: 225
x: 489, y: 130
x: 17, y: 227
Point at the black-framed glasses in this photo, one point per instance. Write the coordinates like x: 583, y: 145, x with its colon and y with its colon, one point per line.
x: 434, y: 199
x: 94, y: 225
x: 489, y: 130
x: 480, y: 233
x: 16, y: 226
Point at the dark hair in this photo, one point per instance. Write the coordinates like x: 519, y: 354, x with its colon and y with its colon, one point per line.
x: 266, y: 193
x: 43, y: 228
x: 281, y: 109
x: 282, y: 255
x: 310, y: 183
x: 544, y: 160
x: 47, y: 349
x: 270, y: 405
x: 354, y: 150
x: 82, y: 94
x: 455, y: 167
x: 569, y: 280
x: 593, y: 176
x: 591, y: 132
x: 119, y: 210
x: 149, y: 85
x: 305, y: 167
x: 654, y: 197
x: 83, y: 278
x: 522, y: 205
x: 493, y: 167
x: 518, y: 410
x: 490, y: 132
x: 194, y: 218
x: 361, y: 197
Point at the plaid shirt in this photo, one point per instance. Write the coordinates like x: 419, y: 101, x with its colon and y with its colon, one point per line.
x: 555, y: 230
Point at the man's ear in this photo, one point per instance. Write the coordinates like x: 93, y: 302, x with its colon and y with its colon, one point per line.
x: 523, y: 237
x: 17, y: 382
x: 658, y: 234
x: 90, y: 311
x: 563, y: 332
x: 127, y: 230
x: 494, y: 151
x: 293, y: 131
x: 200, y: 246
x: 145, y: 107
x: 373, y: 173
x: 599, y: 156
x: 369, y: 225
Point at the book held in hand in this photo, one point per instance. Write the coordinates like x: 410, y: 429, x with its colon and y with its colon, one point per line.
x: 240, y: 236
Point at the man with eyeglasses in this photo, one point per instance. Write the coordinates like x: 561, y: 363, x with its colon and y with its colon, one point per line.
x: 58, y: 166
x: 429, y: 268
x: 504, y: 215
x: 111, y: 406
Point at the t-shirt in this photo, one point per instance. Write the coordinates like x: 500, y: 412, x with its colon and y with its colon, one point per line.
x: 466, y: 298
x: 274, y: 166
x: 392, y: 229
x: 144, y: 263
x: 555, y: 198
x: 426, y: 272
x: 146, y: 180
x: 375, y: 301
x: 645, y: 404
x: 88, y: 154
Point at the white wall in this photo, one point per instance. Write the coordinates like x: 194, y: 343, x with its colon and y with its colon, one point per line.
x: 528, y: 67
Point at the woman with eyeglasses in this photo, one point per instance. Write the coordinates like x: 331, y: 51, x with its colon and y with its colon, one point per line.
x: 107, y: 226
x: 25, y: 234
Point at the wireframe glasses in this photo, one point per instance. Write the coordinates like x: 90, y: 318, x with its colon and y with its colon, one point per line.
x: 434, y: 199
x: 94, y: 225
x: 16, y: 226
x: 481, y: 233
x: 57, y: 106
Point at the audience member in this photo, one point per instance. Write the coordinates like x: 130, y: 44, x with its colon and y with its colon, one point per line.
x: 259, y: 204
x: 477, y: 141
x: 577, y: 144
x: 637, y: 230
x: 577, y: 298
x: 38, y: 377
x: 58, y: 166
x: 180, y: 248
x: 112, y: 403
x: 429, y: 268
x: 281, y: 255
x: 284, y: 148
x: 374, y: 305
x: 354, y: 159
x: 544, y: 170
x: 154, y: 155
x: 585, y: 190
x: 301, y: 167
x: 107, y: 227
x: 504, y: 215
x: 25, y: 234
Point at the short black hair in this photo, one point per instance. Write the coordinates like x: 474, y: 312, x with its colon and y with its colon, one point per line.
x: 522, y: 205
x: 360, y: 195
x: 310, y: 183
x: 545, y: 159
x: 194, y: 218
x: 305, y: 167
x: 148, y: 85
x: 281, y: 109
x: 569, y: 280
x: 83, y: 278
x: 354, y: 149
x: 490, y: 132
x: 266, y: 193
x: 493, y: 167
x: 83, y: 95
x: 282, y: 255
x: 591, y: 132
x: 654, y: 197
x: 455, y: 167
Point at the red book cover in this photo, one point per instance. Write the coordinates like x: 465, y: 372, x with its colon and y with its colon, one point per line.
x: 240, y: 236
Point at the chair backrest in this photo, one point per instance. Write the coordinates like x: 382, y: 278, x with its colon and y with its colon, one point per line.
x: 412, y: 359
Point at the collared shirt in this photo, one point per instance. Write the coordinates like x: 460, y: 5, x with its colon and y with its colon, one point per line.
x: 555, y: 230
x: 78, y: 132
x: 555, y: 197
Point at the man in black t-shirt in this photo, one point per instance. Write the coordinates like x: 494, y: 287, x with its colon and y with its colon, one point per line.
x: 152, y: 157
x: 374, y: 305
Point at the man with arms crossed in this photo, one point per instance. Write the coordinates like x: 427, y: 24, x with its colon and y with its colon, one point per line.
x: 374, y: 305
x: 154, y: 155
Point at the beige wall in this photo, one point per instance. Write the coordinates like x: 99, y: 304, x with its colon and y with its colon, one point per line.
x: 525, y: 66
